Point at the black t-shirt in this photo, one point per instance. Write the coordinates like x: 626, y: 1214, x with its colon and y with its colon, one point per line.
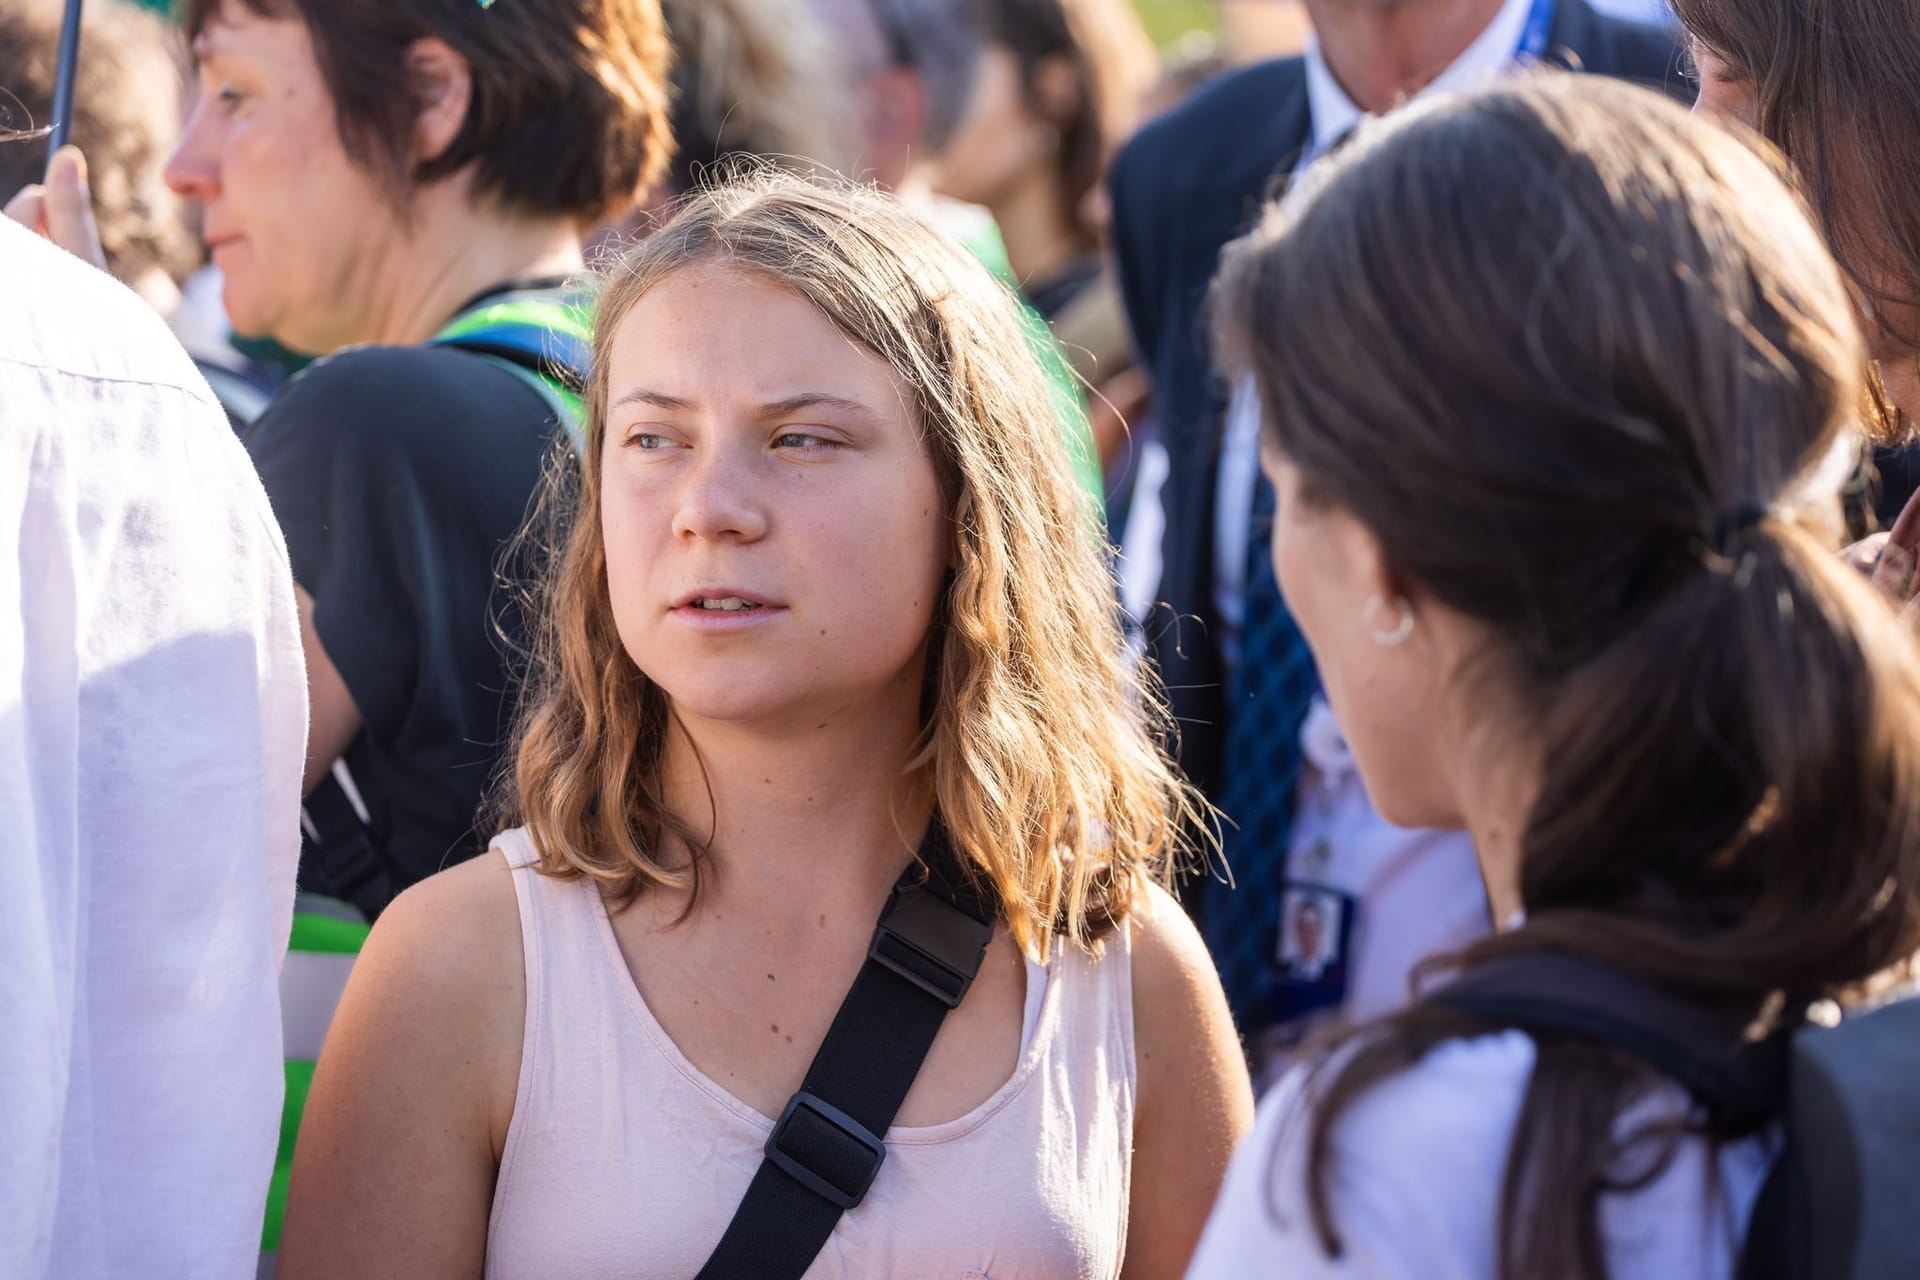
x: 399, y: 475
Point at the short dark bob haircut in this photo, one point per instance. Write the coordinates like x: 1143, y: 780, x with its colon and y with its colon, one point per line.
x: 570, y: 110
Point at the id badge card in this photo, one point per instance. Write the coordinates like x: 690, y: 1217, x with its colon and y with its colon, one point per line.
x: 1311, y: 957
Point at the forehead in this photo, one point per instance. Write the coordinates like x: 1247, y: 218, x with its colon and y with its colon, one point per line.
x: 721, y: 332
x: 233, y: 27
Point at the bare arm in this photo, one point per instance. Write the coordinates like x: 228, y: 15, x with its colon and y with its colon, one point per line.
x: 332, y: 716
x: 1196, y: 1101
x: 394, y: 1172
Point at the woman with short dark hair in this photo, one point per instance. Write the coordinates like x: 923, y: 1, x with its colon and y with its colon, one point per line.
x: 411, y: 179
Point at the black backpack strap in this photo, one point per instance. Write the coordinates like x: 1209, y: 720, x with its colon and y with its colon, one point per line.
x: 1742, y: 1084
x: 345, y: 860
x: 828, y: 1146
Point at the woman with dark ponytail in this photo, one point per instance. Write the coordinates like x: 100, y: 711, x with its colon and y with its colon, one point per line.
x: 1561, y: 387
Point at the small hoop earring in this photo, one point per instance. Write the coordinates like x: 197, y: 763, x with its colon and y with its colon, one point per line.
x: 1400, y: 630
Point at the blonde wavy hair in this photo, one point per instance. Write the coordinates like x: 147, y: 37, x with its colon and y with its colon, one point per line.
x: 1041, y: 741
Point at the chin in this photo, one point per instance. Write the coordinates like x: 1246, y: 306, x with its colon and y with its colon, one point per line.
x: 1411, y: 808
x: 729, y: 702
x: 248, y: 318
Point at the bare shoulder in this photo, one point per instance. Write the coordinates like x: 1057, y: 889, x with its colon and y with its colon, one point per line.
x: 414, y: 1090
x: 442, y: 980
x: 1181, y: 1021
x: 1170, y: 962
x: 1195, y: 1100
x: 454, y: 933
x: 1181, y: 1025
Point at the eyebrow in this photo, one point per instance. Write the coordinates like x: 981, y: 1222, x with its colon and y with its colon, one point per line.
x: 772, y: 409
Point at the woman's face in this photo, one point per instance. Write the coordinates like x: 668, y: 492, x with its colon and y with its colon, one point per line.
x: 1889, y: 329
x: 298, y: 230
x: 1724, y: 93
x: 999, y: 141
x: 1383, y: 691
x: 775, y: 534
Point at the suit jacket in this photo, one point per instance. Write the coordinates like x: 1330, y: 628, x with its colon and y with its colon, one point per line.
x: 1182, y: 188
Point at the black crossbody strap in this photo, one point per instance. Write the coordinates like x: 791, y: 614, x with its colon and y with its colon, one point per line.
x: 827, y: 1147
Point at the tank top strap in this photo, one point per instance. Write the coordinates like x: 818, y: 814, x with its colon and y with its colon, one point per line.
x: 516, y: 846
x: 558, y: 926
x: 1086, y: 1021
x: 1115, y: 985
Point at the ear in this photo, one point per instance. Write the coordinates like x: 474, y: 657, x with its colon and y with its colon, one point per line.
x: 1055, y: 92
x: 442, y: 86
x: 1368, y: 561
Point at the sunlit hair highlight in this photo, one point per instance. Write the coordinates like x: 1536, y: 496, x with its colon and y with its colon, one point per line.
x: 1041, y: 742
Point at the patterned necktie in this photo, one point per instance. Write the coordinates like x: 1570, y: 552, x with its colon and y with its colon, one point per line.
x: 1268, y: 698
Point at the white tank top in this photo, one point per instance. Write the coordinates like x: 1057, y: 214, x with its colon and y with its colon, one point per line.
x: 623, y: 1160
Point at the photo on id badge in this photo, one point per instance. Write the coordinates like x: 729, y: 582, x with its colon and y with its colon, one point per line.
x: 1315, y: 935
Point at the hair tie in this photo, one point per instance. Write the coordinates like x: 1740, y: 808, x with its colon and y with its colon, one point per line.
x: 1734, y: 521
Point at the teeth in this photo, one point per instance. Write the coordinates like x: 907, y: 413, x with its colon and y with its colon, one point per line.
x: 724, y: 604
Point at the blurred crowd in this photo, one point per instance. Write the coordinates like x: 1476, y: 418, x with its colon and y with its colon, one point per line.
x: 1362, y: 563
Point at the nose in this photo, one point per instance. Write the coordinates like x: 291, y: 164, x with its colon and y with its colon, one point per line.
x: 720, y: 499
x: 193, y: 170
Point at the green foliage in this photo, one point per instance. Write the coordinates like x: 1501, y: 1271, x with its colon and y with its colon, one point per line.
x: 1167, y: 20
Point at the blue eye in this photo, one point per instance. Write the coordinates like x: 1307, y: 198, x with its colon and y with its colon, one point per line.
x: 650, y: 441
x: 802, y: 440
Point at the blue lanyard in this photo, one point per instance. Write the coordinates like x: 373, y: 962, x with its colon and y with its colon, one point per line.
x: 1534, y: 36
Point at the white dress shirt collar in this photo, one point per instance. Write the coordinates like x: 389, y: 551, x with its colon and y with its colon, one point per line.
x: 1490, y: 54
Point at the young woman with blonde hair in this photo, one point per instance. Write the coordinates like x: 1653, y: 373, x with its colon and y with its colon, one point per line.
x: 830, y: 587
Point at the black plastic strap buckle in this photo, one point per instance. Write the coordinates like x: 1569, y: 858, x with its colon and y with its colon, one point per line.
x: 932, y: 943
x: 825, y: 1150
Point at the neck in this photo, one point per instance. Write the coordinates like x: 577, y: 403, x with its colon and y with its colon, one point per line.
x: 1496, y: 780
x: 1041, y: 241
x: 455, y: 249
x: 815, y: 814
x: 1384, y: 51
x: 1901, y: 378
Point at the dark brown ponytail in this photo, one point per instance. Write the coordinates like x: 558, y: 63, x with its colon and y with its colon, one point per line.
x: 1583, y: 367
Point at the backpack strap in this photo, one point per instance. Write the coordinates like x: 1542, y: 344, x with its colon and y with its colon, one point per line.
x: 827, y: 1147
x: 1742, y: 1084
x: 540, y: 336
x: 348, y: 862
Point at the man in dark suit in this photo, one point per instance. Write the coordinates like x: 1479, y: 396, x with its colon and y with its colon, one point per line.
x: 1185, y: 186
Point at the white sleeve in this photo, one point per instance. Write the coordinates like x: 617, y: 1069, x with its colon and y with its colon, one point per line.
x: 1414, y: 1186
x: 152, y: 729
